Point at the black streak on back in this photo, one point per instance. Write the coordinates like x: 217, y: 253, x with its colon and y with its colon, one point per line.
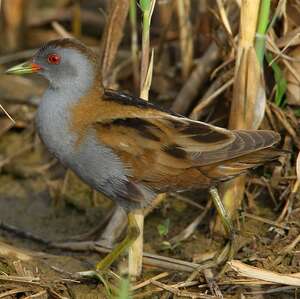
x: 175, y: 151
x: 202, y: 133
x: 129, y: 100
x: 144, y: 128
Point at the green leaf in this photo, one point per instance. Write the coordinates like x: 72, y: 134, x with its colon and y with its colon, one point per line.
x: 297, y: 112
x: 281, y: 84
x: 145, y: 5
x: 124, y: 289
x: 163, y: 228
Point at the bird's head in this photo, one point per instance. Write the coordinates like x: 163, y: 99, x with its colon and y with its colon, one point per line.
x: 65, y: 63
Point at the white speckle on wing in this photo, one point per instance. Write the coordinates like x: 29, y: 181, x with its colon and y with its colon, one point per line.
x: 124, y: 144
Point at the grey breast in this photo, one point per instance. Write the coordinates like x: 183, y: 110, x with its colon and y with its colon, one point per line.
x: 92, y: 161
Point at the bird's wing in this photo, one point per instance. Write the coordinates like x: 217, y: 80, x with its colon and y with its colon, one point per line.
x: 156, y: 144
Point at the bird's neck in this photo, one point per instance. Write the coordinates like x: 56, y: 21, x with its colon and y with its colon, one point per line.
x: 53, y: 119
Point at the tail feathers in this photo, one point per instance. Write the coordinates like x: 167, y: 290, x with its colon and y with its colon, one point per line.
x: 244, y: 142
x: 234, y: 167
x: 261, y: 156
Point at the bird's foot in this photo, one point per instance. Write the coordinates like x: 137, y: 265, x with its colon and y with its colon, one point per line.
x: 132, y: 234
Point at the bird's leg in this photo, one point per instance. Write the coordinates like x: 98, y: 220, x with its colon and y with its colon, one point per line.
x: 132, y: 234
x: 221, y: 210
x: 115, y: 227
x: 225, y: 218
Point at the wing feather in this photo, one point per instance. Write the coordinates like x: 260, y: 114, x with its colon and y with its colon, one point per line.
x: 163, y: 148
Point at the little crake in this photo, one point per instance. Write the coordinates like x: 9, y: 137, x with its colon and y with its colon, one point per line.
x: 127, y: 148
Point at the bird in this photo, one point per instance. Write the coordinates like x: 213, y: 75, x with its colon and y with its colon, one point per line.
x: 127, y: 148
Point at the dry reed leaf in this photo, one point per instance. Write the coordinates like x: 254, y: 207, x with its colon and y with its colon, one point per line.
x: 248, y: 104
x: 13, y: 21
x: 14, y: 291
x: 255, y: 97
x: 293, y: 86
x: 248, y: 94
x: 61, y: 30
x: 298, y: 167
x: 265, y: 275
x: 10, y: 251
x: 248, y: 22
x: 8, y: 115
x: 186, y: 37
x: 292, y: 38
x: 293, y: 14
x: 223, y: 16
x: 148, y: 79
x: 249, y: 100
x: 40, y: 295
x: 113, y: 34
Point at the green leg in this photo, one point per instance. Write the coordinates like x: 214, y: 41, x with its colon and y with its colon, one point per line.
x: 132, y: 234
x: 225, y: 218
x: 222, y: 211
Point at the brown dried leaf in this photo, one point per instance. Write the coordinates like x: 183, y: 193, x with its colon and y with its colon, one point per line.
x: 292, y: 38
x: 113, y: 34
x: 249, y: 100
x: 293, y: 13
x: 298, y: 167
x: 265, y: 275
x: 293, y: 86
x: 13, y: 21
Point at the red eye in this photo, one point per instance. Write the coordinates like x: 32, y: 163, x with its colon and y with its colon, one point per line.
x: 53, y: 58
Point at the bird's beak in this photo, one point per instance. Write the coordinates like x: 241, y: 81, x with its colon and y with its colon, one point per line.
x: 24, y: 68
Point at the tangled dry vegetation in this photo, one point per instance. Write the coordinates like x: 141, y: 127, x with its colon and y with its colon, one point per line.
x: 230, y: 63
